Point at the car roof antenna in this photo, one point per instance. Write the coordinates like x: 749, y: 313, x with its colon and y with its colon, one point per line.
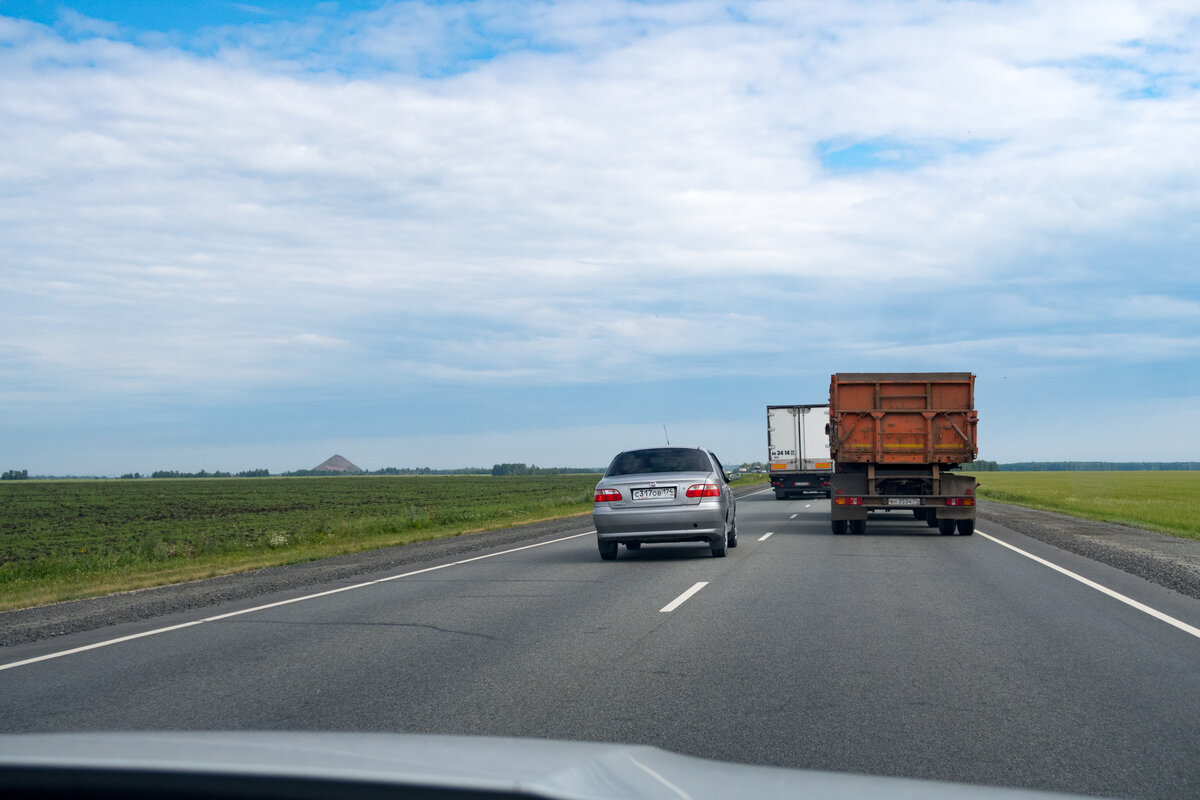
x: 667, y: 435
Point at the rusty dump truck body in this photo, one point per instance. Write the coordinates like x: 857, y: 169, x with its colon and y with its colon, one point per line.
x: 894, y: 436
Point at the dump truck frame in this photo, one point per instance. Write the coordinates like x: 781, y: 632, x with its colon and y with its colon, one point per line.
x: 895, y: 437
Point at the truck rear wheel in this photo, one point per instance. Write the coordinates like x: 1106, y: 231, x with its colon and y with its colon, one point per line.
x: 966, y: 527
x: 839, y: 526
x: 931, y: 519
x: 858, y: 526
x: 945, y: 527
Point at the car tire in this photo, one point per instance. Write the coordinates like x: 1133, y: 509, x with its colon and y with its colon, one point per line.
x: 733, y: 534
x: 608, y: 550
x: 966, y: 527
x: 946, y: 527
x: 718, y: 549
x: 840, y: 526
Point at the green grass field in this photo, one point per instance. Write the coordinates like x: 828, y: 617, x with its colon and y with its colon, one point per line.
x: 62, y: 540
x: 1168, y: 502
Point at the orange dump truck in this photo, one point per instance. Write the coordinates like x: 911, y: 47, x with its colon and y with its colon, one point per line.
x: 894, y: 436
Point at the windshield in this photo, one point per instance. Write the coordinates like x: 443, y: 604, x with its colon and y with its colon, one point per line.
x: 659, y: 460
x: 346, y: 345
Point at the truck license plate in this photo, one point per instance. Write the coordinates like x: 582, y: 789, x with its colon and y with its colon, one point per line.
x: 904, y: 501
x: 662, y: 493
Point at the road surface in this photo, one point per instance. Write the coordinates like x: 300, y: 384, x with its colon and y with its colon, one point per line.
x: 899, y: 652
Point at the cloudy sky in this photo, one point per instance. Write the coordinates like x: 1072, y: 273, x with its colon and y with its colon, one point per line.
x: 244, y: 235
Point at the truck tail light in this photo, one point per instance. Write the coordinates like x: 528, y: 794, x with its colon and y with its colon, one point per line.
x: 607, y: 496
x: 847, y: 501
x: 960, y: 501
x: 704, y: 490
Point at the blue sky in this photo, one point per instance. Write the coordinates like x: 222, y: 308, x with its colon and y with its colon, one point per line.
x: 243, y: 235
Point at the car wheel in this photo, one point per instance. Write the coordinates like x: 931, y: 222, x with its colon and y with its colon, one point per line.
x: 966, y: 527
x: 858, y: 526
x: 733, y: 534
x: 718, y: 549
x: 945, y: 526
x: 840, y: 526
x: 608, y: 550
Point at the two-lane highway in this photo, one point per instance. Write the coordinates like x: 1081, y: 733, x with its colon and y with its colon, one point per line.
x: 898, y: 652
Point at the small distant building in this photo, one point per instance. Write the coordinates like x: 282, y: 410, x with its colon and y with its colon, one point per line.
x: 337, y: 464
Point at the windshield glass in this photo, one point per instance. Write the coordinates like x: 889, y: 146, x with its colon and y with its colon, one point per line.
x: 346, y: 348
x: 636, y: 462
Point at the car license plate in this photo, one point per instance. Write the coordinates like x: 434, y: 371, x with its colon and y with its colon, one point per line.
x: 660, y: 493
x: 904, y: 501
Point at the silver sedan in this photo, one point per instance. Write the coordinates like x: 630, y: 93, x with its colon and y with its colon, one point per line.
x: 664, y: 494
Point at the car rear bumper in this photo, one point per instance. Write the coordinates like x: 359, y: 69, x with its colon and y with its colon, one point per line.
x: 704, y: 522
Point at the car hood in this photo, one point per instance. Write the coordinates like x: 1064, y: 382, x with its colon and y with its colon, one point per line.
x: 358, y: 764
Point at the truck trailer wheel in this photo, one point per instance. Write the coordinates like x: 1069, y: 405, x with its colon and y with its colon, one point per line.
x: 858, y: 526
x: 608, y: 550
x: 945, y: 527
x: 966, y: 527
x: 840, y: 526
x: 931, y: 519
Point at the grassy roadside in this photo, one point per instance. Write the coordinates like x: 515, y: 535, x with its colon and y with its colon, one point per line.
x: 64, y: 540
x: 1167, y: 502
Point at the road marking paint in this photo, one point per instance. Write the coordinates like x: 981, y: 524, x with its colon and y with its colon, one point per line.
x: 760, y: 491
x: 1129, y: 601
x: 793, y: 516
x: 683, y: 598
x: 264, y: 607
x: 765, y: 536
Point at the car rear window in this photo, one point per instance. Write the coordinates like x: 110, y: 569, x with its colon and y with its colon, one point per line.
x: 662, y: 459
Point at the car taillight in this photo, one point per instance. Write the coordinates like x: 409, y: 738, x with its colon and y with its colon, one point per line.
x: 704, y: 490
x: 847, y: 501
x: 607, y: 496
x: 960, y: 501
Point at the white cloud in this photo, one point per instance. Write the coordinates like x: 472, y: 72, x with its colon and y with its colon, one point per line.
x: 595, y: 192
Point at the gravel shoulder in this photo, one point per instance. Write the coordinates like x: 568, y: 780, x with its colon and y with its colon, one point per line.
x: 1166, y: 560
x: 1169, y: 561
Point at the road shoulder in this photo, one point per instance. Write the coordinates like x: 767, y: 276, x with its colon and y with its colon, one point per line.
x: 1168, y: 561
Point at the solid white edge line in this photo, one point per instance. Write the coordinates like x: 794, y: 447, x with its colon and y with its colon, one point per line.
x: 765, y: 536
x: 683, y: 598
x: 218, y: 617
x: 1129, y: 601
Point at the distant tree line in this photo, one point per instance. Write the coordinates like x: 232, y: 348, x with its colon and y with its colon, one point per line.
x: 1081, y: 466
x: 15, y: 475
x: 521, y: 469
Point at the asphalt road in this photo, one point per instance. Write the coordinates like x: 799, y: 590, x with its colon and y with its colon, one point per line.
x: 899, y: 652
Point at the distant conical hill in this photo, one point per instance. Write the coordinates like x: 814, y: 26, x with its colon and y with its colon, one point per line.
x: 336, y: 464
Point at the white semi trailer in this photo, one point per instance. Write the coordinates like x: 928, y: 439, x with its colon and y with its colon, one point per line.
x: 798, y: 450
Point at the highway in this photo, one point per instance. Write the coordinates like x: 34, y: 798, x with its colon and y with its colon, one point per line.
x: 898, y: 652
